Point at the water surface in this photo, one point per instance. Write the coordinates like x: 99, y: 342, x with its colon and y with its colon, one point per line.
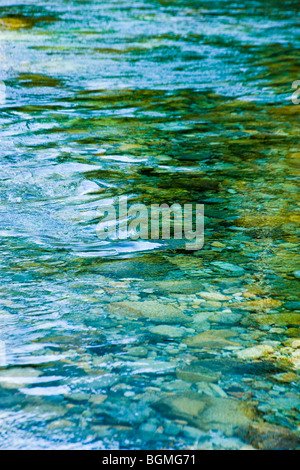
x: 108, y: 344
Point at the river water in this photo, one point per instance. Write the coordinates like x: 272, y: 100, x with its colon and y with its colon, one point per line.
x: 142, y: 344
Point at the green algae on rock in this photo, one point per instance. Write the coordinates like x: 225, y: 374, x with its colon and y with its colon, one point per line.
x: 278, y: 319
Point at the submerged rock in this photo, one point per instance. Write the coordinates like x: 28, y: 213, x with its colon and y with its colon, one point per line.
x: 292, y: 305
x: 265, y: 221
x: 235, y: 367
x: 208, y: 413
x: 195, y: 372
x: 155, y: 311
x: 293, y: 343
x: 138, y: 351
x: 268, y: 437
x: 226, y: 318
x: 104, y: 381
x: 203, y: 317
x: 286, y: 377
x: 259, y: 304
x: 215, y: 339
x: 124, y: 412
x: 97, y: 399
x: 229, y: 267
x: 228, y: 415
x: 177, y: 286
x: 213, y: 296
x: 255, y: 352
x: 18, y: 377
x: 187, y: 406
x: 278, y: 319
x: 167, y: 331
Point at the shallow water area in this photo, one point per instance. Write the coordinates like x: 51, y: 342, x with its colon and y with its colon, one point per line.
x: 142, y: 344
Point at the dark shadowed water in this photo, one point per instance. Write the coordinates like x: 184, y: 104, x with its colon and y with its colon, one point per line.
x: 123, y: 344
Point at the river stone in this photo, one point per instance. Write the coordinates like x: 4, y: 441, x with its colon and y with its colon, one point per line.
x: 202, y: 317
x: 18, y: 377
x: 148, y: 429
x: 138, y: 351
x: 278, y: 319
x: 211, y: 306
x: 286, y: 377
x: 218, y: 391
x: 227, y: 415
x: 102, y: 432
x: 265, y: 436
x: 208, y: 413
x: 97, y: 399
x: 155, y: 311
x: 230, y: 366
x: 204, y: 388
x: 292, y: 332
x: 124, y: 412
x: 226, y: 318
x: 297, y: 274
x: 187, y: 406
x: 229, y: 267
x: 186, y: 262
x: 195, y: 372
x: 292, y: 305
x: 193, y: 433
x: 215, y: 339
x: 167, y: 331
x: 293, y: 343
x: 104, y: 381
x: 259, y: 304
x: 60, y: 424
x: 262, y: 221
x: 295, y: 359
x: 255, y: 352
x: 48, y: 411
x: 171, y: 429
x: 213, y: 296
x: 177, y: 286
x: 78, y: 397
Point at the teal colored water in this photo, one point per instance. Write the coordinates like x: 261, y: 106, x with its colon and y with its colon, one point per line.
x: 144, y: 345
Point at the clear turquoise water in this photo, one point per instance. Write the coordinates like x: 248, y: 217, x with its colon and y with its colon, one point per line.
x: 161, y: 101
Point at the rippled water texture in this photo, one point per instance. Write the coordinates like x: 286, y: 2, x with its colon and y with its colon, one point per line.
x: 143, y: 345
